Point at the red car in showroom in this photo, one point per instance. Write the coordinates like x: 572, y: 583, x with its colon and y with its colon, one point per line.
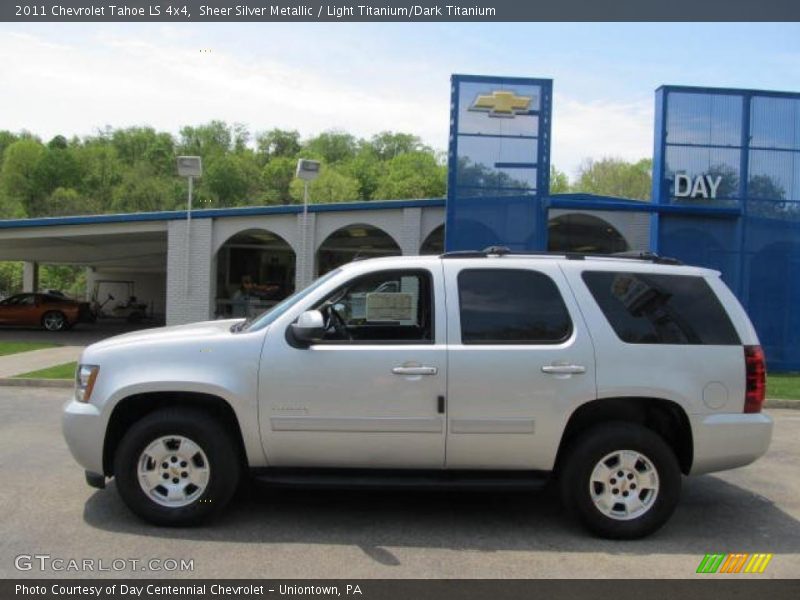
x: 52, y: 312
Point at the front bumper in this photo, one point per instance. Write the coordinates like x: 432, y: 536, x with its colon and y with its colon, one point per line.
x: 727, y: 441
x: 84, y: 430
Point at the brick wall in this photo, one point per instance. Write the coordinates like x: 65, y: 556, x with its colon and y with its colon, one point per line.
x: 189, y: 275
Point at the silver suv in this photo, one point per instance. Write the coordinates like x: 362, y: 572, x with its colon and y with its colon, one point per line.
x: 609, y: 376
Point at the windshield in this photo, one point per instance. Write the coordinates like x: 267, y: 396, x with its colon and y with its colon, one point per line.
x: 266, y: 318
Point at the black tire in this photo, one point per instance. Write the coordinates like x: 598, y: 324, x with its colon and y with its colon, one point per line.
x: 589, y: 449
x: 54, y: 320
x: 215, y: 441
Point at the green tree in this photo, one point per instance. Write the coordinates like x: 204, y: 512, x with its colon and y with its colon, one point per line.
x: 559, y: 182
x: 57, y: 167
x: 140, y: 190
x: 330, y: 186
x: 412, y: 175
x: 6, y: 139
x: 213, y: 139
x: 101, y: 171
x: 276, y: 178
x: 10, y: 277
x: 231, y: 179
x: 67, y: 278
x: 59, y: 142
x: 616, y: 177
x: 331, y: 146
x: 277, y: 143
x: 387, y: 144
x: 144, y: 145
x: 20, y: 186
x: 368, y: 169
x: 65, y: 201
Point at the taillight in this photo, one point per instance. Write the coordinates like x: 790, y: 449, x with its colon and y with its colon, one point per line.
x: 756, y: 373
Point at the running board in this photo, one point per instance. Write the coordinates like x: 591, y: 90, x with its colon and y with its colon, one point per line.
x: 402, y: 478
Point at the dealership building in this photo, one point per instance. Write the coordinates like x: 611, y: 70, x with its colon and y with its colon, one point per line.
x: 726, y: 194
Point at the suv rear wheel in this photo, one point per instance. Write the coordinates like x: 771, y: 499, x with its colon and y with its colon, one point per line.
x: 622, y: 480
x: 177, y: 467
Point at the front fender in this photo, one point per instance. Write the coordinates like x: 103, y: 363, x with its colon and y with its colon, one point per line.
x: 243, y: 405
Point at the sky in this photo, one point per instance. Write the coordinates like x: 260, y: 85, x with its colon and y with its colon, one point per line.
x: 73, y: 79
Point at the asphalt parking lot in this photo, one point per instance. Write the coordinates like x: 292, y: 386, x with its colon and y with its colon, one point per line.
x: 81, y: 334
x: 47, y: 509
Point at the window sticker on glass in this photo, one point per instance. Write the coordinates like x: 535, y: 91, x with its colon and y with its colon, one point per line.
x: 383, y: 306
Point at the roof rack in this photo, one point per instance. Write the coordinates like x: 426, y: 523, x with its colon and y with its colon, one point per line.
x: 505, y: 250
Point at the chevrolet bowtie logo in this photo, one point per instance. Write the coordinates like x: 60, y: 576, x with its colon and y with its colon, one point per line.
x: 502, y: 104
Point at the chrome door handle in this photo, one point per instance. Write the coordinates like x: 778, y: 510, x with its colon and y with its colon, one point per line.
x: 563, y: 369
x: 415, y: 370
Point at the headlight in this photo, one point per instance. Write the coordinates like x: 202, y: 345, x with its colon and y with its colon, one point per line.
x: 85, y: 376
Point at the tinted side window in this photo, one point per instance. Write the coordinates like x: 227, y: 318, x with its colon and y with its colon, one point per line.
x: 661, y: 309
x: 511, y: 306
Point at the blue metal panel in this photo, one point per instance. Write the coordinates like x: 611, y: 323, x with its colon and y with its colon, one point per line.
x: 593, y: 202
x: 741, y: 231
x: 751, y: 139
x: 658, y: 191
x: 498, y: 162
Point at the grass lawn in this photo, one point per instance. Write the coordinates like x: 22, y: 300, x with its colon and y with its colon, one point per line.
x: 16, y: 347
x: 786, y: 387
x: 65, y: 371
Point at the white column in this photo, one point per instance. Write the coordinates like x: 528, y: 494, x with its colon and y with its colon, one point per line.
x: 411, y: 232
x: 90, y: 272
x: 189, y: 275
x: 30, y: 277
x: 306, y: 243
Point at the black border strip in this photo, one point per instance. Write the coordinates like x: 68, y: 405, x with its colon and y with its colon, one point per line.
x: 402, y: 11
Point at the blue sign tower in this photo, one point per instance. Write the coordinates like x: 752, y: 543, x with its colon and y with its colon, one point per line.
x: 726, y: 187
x: 498, y: 162
x: 737, y: 153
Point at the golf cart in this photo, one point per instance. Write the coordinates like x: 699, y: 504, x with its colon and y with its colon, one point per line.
x: 129, y: 309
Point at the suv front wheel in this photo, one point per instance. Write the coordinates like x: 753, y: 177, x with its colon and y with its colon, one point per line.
x: 621, y: 479
x: 177, y: 467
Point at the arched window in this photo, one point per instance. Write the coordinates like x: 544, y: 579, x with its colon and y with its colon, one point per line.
x: 434, y: 243
x: 354, y: 242
x: 255, y: 270
x: 578, y: 232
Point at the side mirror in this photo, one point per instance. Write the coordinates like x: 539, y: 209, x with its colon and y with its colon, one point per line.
x: 310, y: 327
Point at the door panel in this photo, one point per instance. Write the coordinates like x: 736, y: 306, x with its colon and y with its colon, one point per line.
x: 22, y: 312
x: 355, y: 404
x: 508, y: 402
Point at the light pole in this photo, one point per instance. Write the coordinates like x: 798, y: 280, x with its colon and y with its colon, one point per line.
x: 189, y: 167
x: 307, y: 170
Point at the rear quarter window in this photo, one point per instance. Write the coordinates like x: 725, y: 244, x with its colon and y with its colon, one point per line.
x: 645, y: 308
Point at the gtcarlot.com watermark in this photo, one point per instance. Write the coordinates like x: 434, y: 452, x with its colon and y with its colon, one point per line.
x: 48, y: 563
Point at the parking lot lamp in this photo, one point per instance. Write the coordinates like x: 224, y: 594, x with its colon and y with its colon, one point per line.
x: 308, y: 171
x: 189, y: 167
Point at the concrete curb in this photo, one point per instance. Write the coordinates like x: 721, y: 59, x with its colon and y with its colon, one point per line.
x: 68, y: 383
x: 45, y: 383
x: 778, y: 403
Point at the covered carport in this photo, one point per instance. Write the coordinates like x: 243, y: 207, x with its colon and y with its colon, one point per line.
x: 189, y: 269
x: 115, y: 249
